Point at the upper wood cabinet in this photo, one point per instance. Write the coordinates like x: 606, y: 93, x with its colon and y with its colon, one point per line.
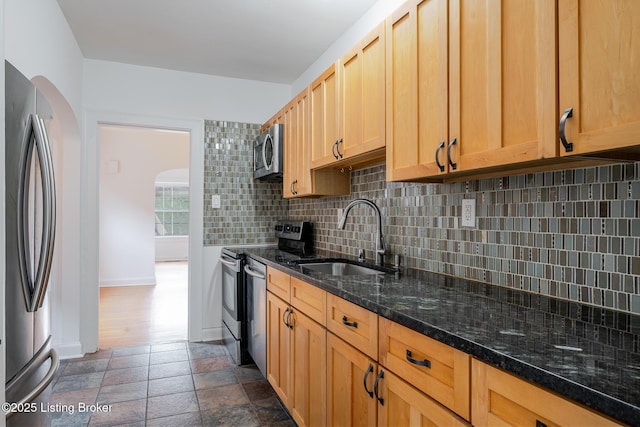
x: 298, y: 178
x: 348, y: 106
x: 325, y: 122
x: 599, y: 45
x: 500, y: 71
x: 297, y: 175
x: 277, y: 118
x: 362, y: 89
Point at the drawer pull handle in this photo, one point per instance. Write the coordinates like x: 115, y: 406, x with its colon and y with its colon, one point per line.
x: 289, y: 324
x: 375, y: 387
x: 426, y: 363
x: 453, y: 164
x: 347, y: 323
x: 284, y: 315
x: 568, y: 146
x: 366, y: 375
x: 333, y: 149
x: 540, y: 424
x: 440, y: 147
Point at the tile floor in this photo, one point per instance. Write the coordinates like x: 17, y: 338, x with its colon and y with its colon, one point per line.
x: 176, y: 384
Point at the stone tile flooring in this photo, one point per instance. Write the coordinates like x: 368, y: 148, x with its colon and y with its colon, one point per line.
x: 177, y: 384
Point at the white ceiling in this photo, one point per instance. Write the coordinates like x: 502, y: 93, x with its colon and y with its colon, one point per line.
x: 265, y: 40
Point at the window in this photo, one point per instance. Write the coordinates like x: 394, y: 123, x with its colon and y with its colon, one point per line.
x: 172, y: 210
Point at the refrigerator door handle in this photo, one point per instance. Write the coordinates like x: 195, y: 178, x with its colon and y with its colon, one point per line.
x: 43, y: 354
x: 36, y: 143
x: 50, y: 208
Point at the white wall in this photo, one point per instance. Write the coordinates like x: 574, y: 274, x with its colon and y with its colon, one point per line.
x: 127, y: 94
x: 378, y: 12
x: 127, y: 198
x: 113, y: 86
x: 38, y: 41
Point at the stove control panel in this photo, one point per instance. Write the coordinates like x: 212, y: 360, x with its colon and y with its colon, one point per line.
x: 293, y: 230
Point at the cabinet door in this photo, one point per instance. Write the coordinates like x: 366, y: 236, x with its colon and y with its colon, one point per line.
x: 362, y: 88
x: 350, y: 379
x: 278, y: 346
x: 403, y: 405
x: 307, y: 402
x: 502, y: 83
x: 417, y: 90
x: 501, y: 399
x: 290, y: 148
x: 599, y: 44
x: 303, y: 185
x: 324, y: 134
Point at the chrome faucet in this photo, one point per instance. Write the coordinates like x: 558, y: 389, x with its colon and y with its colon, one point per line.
x: 380, y: 250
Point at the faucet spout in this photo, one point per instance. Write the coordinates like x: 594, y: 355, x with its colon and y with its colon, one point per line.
x: 380, y: 249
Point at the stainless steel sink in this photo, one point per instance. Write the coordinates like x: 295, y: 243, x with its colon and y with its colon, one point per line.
x: 341, y: 267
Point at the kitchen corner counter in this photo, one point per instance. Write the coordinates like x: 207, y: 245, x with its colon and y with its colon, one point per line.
x: 587, y: 354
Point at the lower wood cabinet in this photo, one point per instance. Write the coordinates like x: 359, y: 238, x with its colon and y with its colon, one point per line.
x: 278, y: 345
x: 297, y: 354
x: 350, y: 378
x: 437, y: 369
x: 330, y: 367
x: 501, y: 399
x: 400, y: 404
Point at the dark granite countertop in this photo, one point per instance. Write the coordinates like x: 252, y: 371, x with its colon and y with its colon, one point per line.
x: 585, y: 353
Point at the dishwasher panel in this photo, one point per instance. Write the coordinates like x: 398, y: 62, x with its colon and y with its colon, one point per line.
x: 255, y: 276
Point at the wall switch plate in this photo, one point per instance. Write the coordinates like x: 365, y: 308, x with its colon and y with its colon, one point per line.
x: 215, y: 201
x: 468, y: 212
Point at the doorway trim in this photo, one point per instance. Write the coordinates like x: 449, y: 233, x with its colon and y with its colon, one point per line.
x: 90, y: 221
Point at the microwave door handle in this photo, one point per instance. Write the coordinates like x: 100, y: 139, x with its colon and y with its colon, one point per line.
x: 266, y: 164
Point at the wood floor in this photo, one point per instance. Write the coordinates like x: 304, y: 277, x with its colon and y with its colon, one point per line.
x: 137, y: 315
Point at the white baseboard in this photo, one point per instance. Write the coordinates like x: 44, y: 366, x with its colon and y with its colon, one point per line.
x: 131, y: 281
x: 212, y: 334
x: 69, y: 351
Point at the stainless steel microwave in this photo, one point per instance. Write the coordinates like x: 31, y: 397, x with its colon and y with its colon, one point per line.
x: 268, y: 154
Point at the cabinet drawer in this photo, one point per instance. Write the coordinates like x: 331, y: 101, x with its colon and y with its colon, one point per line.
x: 500, y: 398
x: 310, y: 300
x: 279, y: 283
x: 356, y: 325
x: 436, y: 369
x: 404, y: 406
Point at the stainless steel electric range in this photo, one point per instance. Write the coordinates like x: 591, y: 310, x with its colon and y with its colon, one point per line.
x: 243, y: 317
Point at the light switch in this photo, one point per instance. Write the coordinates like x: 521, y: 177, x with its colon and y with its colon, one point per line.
x: 215, y: 201
x: 468, y: 212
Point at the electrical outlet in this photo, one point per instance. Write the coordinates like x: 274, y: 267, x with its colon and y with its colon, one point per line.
x: 215, y: 201
x: 468, y: 212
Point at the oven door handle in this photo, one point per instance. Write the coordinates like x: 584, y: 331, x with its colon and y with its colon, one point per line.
x: 252, y: 273
x: 228, y: 261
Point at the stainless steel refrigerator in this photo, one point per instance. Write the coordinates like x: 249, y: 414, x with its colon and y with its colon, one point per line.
x: 30, y: 209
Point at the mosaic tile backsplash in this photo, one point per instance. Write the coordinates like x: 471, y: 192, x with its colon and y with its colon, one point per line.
x: 249, y: 209
x: 571, y: 234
